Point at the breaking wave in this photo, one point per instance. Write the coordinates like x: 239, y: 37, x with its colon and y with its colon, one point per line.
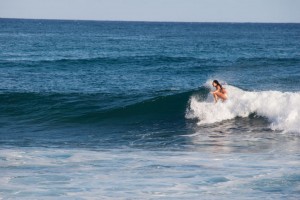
x: 282, y: 109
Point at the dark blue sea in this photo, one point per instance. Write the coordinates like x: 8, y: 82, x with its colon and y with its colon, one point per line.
x: 123, y: 110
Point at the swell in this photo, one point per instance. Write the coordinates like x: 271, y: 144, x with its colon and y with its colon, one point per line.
x: 167, y: 107
x: 267, y: 61
x: 106, y: 60
x: 150, y: 60
x: 75, y: 108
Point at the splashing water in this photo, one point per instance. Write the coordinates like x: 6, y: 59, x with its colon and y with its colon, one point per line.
x: 282, y: 109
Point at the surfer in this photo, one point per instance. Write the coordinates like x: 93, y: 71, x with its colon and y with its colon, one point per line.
x: 220, y: 92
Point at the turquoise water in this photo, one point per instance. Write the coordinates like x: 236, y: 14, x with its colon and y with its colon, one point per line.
x: 122, y: 110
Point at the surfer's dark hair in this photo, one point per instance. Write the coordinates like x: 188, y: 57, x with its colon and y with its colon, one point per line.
x: 218, y: 84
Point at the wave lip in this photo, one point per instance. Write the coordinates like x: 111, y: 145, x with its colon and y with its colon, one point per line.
x: 282, y: 109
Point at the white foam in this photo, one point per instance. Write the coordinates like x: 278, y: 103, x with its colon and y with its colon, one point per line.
x: 282, y: 109
x: 57, y: 173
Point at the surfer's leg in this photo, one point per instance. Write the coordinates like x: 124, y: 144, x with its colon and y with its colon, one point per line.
x: 221, y: 96
x: 215, y: 97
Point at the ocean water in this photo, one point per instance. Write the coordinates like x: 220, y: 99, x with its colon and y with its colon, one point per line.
x: 122, y: 110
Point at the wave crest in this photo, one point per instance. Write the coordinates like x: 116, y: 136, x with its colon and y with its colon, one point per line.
x: 282, y: 109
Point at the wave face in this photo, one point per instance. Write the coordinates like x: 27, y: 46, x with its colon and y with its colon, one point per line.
x: 76, y: 108
x: 282, y: 109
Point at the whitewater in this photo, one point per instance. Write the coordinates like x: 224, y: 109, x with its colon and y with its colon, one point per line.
x: 282, y: 109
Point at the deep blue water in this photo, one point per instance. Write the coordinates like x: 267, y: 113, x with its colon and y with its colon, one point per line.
x: 74, y: 95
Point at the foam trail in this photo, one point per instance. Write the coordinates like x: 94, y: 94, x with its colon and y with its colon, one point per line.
x: 282, y: 109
